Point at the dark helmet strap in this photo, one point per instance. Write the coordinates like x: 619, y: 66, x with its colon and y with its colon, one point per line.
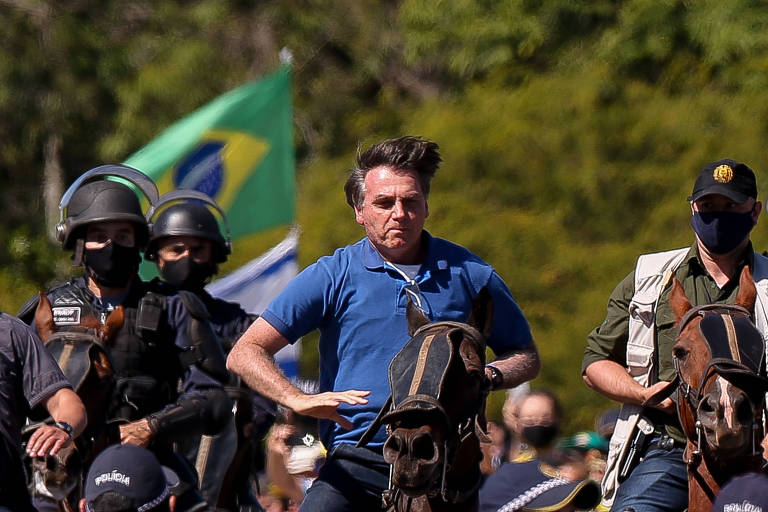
x: 77, y: 257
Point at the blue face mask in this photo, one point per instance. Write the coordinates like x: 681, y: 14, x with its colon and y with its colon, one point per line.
x: 722, y: 232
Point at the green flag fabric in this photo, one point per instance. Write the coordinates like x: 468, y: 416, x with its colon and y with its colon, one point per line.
x: 238, y: 149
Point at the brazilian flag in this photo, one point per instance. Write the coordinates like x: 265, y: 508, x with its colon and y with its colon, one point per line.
x: 238, y: 149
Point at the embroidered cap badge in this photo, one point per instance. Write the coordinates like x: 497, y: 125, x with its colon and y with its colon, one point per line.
x: 722, y: 173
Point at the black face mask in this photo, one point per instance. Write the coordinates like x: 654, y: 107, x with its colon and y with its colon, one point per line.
x: 540, y: 436
x: 722, y: 232
x: 186, y: 274
x: 112, y: 265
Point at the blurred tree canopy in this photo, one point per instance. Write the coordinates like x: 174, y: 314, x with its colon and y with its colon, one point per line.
x: 571, y: 130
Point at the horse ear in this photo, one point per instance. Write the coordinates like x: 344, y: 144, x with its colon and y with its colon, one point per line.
x: 481, y: 317
x: 415, y: 317
x: 747, y: 291
x: 113, y: 323
x: 678, y: 301
x: 44, y: 318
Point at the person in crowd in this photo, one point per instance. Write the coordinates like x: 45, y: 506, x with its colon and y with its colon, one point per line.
x: 497, y: 451
x: 535, y: 486
x: 30, y: 378
x: 588, y: 449
x: 294, y: 451
x: 187, y: 245
x: 357, y: 298
x: 537, y: 424
x: 629, y: 355
x: 129, y: 478
x: 167, y: 364
x: 509, y: 417
x: 747, y: 492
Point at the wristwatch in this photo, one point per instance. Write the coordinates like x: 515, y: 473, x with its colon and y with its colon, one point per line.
x: 66, y: 427
x: 497, y: 378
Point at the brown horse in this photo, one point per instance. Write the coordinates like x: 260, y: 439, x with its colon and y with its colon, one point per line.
x: 82, y: 358
x: 721, y: 387
x: 436, y: 413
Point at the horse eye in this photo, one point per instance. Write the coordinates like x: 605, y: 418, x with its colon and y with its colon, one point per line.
x: 679, y: 353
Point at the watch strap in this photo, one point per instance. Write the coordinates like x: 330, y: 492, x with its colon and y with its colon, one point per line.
x: 66, y: 427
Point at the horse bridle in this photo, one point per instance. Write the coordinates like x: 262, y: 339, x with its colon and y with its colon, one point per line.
x: 462, y: 431
x: 722, y: 366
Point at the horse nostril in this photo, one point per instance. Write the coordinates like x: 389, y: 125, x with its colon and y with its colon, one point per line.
x: 708, y: 405
x: 423, y: 447
x: 394, y: 443
x: 744, y: 413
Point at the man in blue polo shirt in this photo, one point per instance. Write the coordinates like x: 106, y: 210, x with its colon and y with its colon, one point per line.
x: 357, y: 299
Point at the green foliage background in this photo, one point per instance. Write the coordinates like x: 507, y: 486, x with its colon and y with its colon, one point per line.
x: 571, y: 130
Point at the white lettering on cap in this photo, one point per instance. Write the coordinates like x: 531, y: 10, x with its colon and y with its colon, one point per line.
x: 744, y: 506
x: 114, y: 476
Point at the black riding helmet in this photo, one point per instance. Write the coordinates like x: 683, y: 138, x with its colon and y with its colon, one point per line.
x: 101, y: 201
x: 188, y: 219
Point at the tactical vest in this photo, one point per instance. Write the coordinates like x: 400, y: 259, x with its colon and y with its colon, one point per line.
x: 653, y: 273
x: 143, y: 355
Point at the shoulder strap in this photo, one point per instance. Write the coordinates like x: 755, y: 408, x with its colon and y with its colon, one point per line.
x: 654, y: 271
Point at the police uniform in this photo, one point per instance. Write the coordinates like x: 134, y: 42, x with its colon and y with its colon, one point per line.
x: 165, y: 369
x: 28, y: 376
x: 234, y: 448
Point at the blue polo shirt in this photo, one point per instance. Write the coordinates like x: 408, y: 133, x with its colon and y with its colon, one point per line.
x: 358, y: 303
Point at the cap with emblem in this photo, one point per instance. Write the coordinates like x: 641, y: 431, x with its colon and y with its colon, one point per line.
x: 534, y: 486
x: 726, y: 177
x: 131, y: 471
x: 743, y: 493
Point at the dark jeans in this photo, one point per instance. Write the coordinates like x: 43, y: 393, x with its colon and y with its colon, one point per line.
x: 352, y: 479
x: 659, y: 483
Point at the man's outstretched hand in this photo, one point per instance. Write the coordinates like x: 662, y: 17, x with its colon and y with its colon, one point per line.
x: 324, y: 405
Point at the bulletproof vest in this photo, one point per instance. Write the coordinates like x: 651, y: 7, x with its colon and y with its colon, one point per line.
x: 143, y: 355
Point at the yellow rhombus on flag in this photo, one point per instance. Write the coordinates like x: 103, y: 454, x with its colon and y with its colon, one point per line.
x: 238, y: 149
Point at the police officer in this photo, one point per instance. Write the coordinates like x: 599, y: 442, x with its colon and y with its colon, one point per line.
x: 167, y: 364
x: 187, y: 245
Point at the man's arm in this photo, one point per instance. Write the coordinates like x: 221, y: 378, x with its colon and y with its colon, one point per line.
x: 252, y: 358
x: 202, y: 407
x: 517, y: 366
x: 611, y: 380
x: 64, y: 406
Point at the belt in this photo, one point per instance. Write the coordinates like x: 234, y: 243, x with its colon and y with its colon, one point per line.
x: 664, y: 442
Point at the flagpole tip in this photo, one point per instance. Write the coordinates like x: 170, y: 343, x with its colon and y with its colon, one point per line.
x: 286, y: 56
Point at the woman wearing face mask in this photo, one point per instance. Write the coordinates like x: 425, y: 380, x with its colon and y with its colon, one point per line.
x: 538, y: 424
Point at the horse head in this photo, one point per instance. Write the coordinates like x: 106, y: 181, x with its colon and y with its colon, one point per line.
x: 437, y: 417
x: 718, y: 356
x: 57, y: 476
x: 81, y: 354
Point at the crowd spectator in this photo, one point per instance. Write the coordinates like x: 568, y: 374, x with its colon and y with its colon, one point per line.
x: 533, y: 485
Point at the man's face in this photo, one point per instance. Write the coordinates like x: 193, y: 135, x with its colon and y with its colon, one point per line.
x: 174, y: 248
x: 100, y: 234
x: 393, y: 213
